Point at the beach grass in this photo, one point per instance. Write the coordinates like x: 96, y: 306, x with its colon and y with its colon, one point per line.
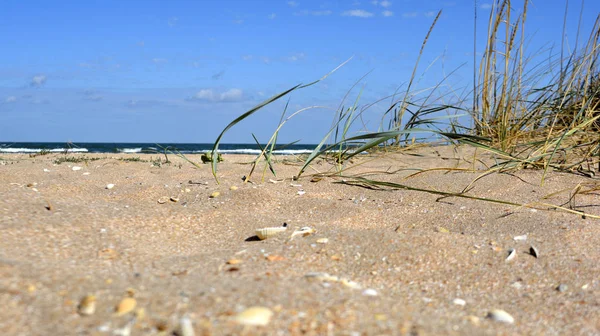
x: 540, y: 115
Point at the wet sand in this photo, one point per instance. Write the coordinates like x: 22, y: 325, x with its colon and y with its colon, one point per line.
x: 397, y: 259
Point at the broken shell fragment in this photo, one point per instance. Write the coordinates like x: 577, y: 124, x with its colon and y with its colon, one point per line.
x: 110, y: 186
x: 87, y: 306
x: 512, y: 253
x: 254, y: 316
x: 459, y: 302
x: 174, y: 199
x: 76, y: 168
x: 269, y: 232
x: 534, y: 251
x: 305, y: 231
x: 215, y: 194
x: 322, y: 240
x: 126, y: 305
x: 163, y: 200
x: 520, y: 238
x: 500, y: 315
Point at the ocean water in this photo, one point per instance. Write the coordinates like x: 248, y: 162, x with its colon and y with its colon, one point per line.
x: 149, y: 148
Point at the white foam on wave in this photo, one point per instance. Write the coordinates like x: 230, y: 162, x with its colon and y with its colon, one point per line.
x: 130, y: 150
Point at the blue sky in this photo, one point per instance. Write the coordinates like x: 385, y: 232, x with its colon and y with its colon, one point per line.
x: 180, y: 71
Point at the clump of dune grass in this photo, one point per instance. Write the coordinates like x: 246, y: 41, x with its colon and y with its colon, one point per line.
x: 75, y: 159
x: 530, y: 115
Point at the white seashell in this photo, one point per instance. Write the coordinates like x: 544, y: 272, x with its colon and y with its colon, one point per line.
x: 500, y: 315
x: 185, y: 327
x: 459, y: 302
x: 512, y: 253
x: 534, y: 251
x: 370, y: 292
x: 322, y: 240
x: 305, y: 231
x: 301, y: 192
x: 321, y: 276
x: 46, y: 170
x: 268, y: 232
x: 350, y: 284
x: 520, y: 238
x: 110, y: 186
x: 254, y: 316
x: 76, y: 168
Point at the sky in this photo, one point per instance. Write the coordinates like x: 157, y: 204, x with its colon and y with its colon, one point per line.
x: 180, y: 71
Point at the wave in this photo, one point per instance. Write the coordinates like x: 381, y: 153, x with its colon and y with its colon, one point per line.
x: 129, y: 150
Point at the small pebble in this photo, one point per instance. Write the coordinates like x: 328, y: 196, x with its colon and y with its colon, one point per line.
x: 562, y: 288
x: 76, y: 168
x: 87, y: 306
x: 86, y: 173
x: 322, y: 241
x: 174, y: 199
x: 500, y: 315
x: 125, y: 306
x: 301, y: 192
x: 185, y: 327
x: 233, y: 188
x: 110, y: 186
x: 215, y: 194
x: 163, y: 200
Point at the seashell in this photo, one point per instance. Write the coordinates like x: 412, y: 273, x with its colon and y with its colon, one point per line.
x: 234, y: 261
x: 512, y: 253
x: 370, y: 292
x: 534, y: 251
x: 163, y: 200
x: 442, y: 229
x: 562, y: 288
x: 269, y: 232
x: 110, y: 186
x: 301, y: 192
x: 174, y: 199
x: 305, y: 231
x: 321, y: 276
x: 185, y: 327
x: 125, y: 306
x: 296, y: 185
x: 233, y: 188
x: 520, y: 238
x: 459, y: 302
x: 254, y: 316
x: 350, y: 284
x: 86, y: 173
x: 500, y: 315
x: 275, y: 181
x: 76, y: 168
x: 215, y: 194
x: 322, y: 240
x: 87, y: 306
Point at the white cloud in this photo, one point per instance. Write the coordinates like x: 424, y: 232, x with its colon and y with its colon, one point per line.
x: 296, y: 57
x: 10, y: 99
x: 485, y: 6
x: 410, y: 14
x: 314, y: 13
x: 231, y: 95
x: 38, y: 80
x: 159, y: 60
x: 387, y: 13
x: 173, y: 21
x: 358, y: 13
x: 272, y: 16
x: 385, y: 3
x: 292, y: 3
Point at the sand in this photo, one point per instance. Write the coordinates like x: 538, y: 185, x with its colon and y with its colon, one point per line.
x: 397, y: 259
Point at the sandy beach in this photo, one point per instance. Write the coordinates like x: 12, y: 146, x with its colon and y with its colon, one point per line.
x: 376, y: 262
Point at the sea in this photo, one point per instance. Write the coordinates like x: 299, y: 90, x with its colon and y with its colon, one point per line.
x: 146, y: 148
